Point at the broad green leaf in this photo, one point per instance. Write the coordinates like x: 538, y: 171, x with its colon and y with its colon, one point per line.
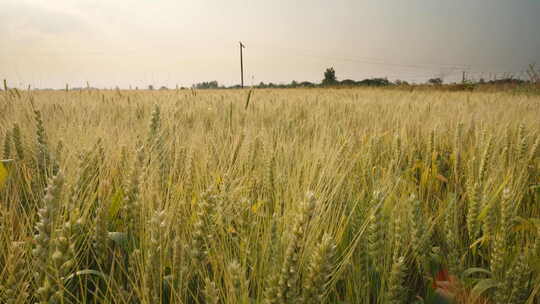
x: 474, y: 270
x: 481, y: 287
x: 87, y: 272
x: 119, y: 238
x: 3, y: 175
x: 116, y: 203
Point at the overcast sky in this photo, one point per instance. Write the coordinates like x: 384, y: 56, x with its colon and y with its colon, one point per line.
x: 47, y: 43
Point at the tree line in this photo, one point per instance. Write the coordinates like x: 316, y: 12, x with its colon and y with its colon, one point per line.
x: 330, y: 80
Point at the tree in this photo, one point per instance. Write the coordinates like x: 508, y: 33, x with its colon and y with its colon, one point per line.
x: 348, y: 82
x: 374, y: 82
x: 400, y: 82
x: 329, y: 77
x: 207, y: 85
x: 150, y: 87
x: 307, y: 84
x: 534, y: 75
x: 435, y: 81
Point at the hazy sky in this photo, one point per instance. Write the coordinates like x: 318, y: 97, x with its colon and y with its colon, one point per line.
x: 47, y: 43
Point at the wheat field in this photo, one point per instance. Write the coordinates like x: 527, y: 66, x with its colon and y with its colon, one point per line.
x: 269, y: 196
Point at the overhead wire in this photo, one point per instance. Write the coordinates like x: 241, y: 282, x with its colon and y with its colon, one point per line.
x: 443, y: 68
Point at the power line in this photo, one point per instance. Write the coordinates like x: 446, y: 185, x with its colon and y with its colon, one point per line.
x: 423, y: 66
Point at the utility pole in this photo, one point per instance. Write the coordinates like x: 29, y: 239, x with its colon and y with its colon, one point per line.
x: 241, y: 66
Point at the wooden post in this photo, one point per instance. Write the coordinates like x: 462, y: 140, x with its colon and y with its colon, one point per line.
x: 241, y: 66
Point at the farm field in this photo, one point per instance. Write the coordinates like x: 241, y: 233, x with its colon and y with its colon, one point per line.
x: 269, y: 196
